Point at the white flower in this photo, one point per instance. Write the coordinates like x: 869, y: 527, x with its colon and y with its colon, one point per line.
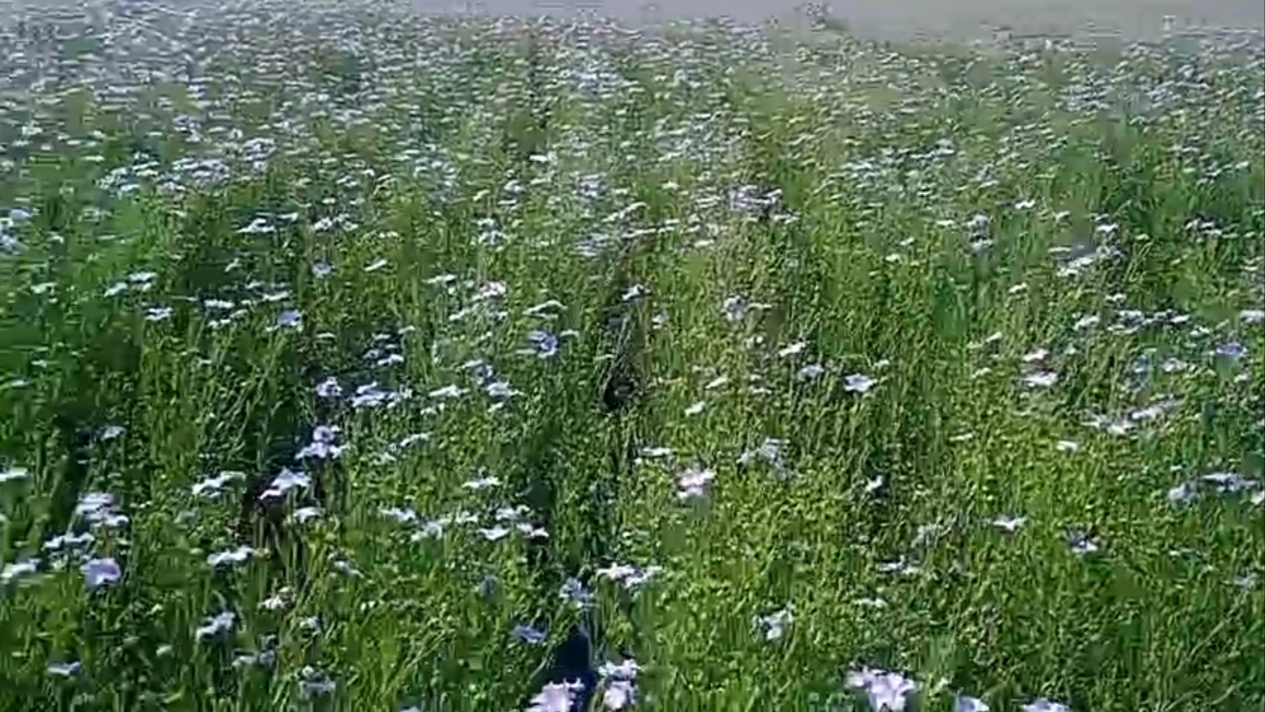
x: 555, y: 697
x: 284, y: 482
x: 13, y: 474
x: 1046, y: 705
x: 229, y: 557
x: 1010, y: 524
x: 775, y: 624
x: 1041, y: 379
x: 64, y: 669
x: 858, y: 383
x: 216, y: 624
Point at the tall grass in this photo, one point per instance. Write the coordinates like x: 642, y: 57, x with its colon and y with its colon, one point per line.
x: 359, y: 360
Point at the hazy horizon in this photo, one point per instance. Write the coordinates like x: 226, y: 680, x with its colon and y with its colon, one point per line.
x: 1131, y: 18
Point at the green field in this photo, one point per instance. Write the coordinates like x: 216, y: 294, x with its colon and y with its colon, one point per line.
x: 358, y: 359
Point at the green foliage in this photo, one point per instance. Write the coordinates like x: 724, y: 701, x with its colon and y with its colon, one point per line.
x: 884, y: 298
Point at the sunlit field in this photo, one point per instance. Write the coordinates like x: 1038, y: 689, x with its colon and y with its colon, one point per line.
x: 358, y: 359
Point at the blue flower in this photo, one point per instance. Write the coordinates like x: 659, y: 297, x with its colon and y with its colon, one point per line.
x: 290, y: 318
x: 886, y: 691
x: 215, y: 625
x: 323, y: 444
x: 101, y: 572
x: 544, y: 344
x: 1233, y: 350
x: 528, y: 634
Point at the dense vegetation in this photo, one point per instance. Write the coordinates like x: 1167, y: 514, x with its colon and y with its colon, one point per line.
x: 352, y: 359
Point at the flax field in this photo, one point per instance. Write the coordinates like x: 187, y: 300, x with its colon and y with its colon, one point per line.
x: 358, y: 358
